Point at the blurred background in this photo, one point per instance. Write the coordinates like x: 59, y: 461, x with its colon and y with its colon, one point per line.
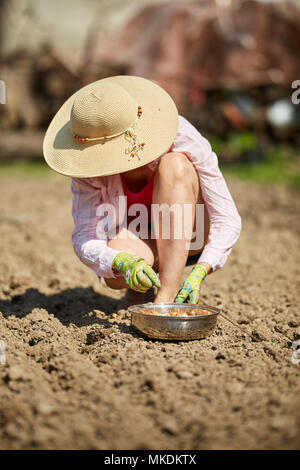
x: 229, y: 65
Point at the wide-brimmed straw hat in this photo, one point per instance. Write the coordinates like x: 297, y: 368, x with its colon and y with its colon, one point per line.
x: 110, y: 126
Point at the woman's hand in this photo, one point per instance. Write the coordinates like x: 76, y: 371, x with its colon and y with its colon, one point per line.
x: 190, y: 291
x: 137, y: 273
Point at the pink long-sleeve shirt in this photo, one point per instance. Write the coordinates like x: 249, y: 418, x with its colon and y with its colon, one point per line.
x: 90, y: 194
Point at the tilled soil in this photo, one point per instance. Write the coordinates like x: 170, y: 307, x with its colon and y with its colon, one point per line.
x: 77, y: 376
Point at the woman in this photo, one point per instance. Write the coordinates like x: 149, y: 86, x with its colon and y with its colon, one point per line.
x: 121, y: 136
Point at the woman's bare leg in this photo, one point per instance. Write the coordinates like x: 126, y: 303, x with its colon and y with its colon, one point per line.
x: 175, y: 182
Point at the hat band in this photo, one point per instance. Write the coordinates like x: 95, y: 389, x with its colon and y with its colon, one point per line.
x: 107, y: 137
x: 132, y: 134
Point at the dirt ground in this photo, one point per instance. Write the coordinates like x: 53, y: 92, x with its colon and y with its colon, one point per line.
x: 78, y: 377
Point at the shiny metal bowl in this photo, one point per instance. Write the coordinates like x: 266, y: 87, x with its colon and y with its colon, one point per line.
x: 161, y: 325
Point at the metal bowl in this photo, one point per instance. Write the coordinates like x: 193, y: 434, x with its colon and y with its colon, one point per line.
x: 160, y: 325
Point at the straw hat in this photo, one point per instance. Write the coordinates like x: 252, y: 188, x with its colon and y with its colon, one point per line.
x: 110, y: 126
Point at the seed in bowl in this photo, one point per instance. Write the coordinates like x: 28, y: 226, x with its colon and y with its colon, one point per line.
x: 176, y: 313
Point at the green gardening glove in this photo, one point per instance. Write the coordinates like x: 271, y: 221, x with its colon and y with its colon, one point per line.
x: 190, y: 290
x: 137, y: 273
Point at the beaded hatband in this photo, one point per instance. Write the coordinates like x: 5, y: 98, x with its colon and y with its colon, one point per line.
x: 132, y: 135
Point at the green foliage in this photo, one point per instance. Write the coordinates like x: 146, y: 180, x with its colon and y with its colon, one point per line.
x: 280, y: 165
x: 235, y: 144
x: 27, y: 169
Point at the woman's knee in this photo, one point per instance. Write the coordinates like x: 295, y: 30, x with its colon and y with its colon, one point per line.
x: 177, y: 169
x: 175, y: 166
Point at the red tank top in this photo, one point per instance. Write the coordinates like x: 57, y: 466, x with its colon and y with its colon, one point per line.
x: 142, y: 197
